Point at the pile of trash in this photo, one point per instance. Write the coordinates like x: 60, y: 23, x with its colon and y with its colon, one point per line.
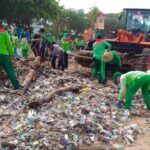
x: 70, y: 120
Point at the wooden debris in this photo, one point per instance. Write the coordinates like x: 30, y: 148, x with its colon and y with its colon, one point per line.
x: 30, y: 75
x: 134, y: 61
x: 10, y: 91
x: 12, y: 118
x: 9, y: 145
x: 35, y: 104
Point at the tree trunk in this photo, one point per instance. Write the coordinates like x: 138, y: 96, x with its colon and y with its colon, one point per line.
x: 30, y: 75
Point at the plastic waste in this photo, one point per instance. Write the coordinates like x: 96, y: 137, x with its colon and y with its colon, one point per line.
x: 65, y: 140
x: 82, y: 119
x: 32, y: 116
x: 85, y: 90
x: 70, y: 119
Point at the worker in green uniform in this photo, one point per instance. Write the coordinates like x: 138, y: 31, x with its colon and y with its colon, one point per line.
x: 65, y: 43
x: 113, y: 61
x: 99, y: 48
x: 50, y: 39
x: 15, y: 43
x: 24, y: 46
x: 49, y: 42
x: 6, y: 51
x: 42, y: 44
x: 130, y: 83
x: 76, y: 43
x: 81, y: 44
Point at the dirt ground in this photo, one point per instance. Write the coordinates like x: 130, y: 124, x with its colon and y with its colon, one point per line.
x: 143, y: 139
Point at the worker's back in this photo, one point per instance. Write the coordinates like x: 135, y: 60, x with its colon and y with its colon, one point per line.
x: 99, y: 48
x: 5, y: 43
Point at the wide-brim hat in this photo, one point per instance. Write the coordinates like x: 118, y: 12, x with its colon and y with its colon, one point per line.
x: 107, y: 56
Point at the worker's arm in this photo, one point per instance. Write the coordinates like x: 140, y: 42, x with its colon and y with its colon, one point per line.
x: 123, y: 82
x: 9, y: 44
x: 108, y: 45
x: 21, y: 43
x: 34, y: 40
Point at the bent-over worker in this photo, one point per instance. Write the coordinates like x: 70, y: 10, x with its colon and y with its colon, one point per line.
x: 130, y: 83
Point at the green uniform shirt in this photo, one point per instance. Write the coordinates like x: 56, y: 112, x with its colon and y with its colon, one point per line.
x: 6, y: 47
x: 128, y: 78
x: 81, y: 43
x: 115, y: 60
x: 15, y: 42
x: 76, y: 42
x: 24, y: 43
x: 65, y: 45
x: 51, y: 39
x: 99, y: 48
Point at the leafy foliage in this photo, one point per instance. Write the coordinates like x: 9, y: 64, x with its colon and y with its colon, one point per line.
x: 70, y: 20
x: 21, y: 12
x: 92, y: 15
x: 113, y: 23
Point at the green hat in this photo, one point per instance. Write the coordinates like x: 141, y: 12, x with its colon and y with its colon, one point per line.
x: 65, y: 35
x: 15, y: 33
x: 116, y: 75
x: 43, y: 36
x: 99, y: 34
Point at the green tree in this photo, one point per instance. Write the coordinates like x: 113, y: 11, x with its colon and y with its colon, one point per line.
x: 69, y: 20
x: 21, y: 12
x: 76, y: 20
x: 92, y: 16
x: 113, y: 23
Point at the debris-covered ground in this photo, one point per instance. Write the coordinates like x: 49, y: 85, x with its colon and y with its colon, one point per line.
x: 81, y: 119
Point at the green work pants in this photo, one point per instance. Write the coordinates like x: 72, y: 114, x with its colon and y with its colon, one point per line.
x: 6, y: 64
x: 142, y: 83
x: 99, y: 66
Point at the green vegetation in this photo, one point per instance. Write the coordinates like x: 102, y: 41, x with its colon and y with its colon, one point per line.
x: 22, y: 12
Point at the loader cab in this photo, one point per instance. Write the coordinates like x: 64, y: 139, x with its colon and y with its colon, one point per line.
x: 137, y: 21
